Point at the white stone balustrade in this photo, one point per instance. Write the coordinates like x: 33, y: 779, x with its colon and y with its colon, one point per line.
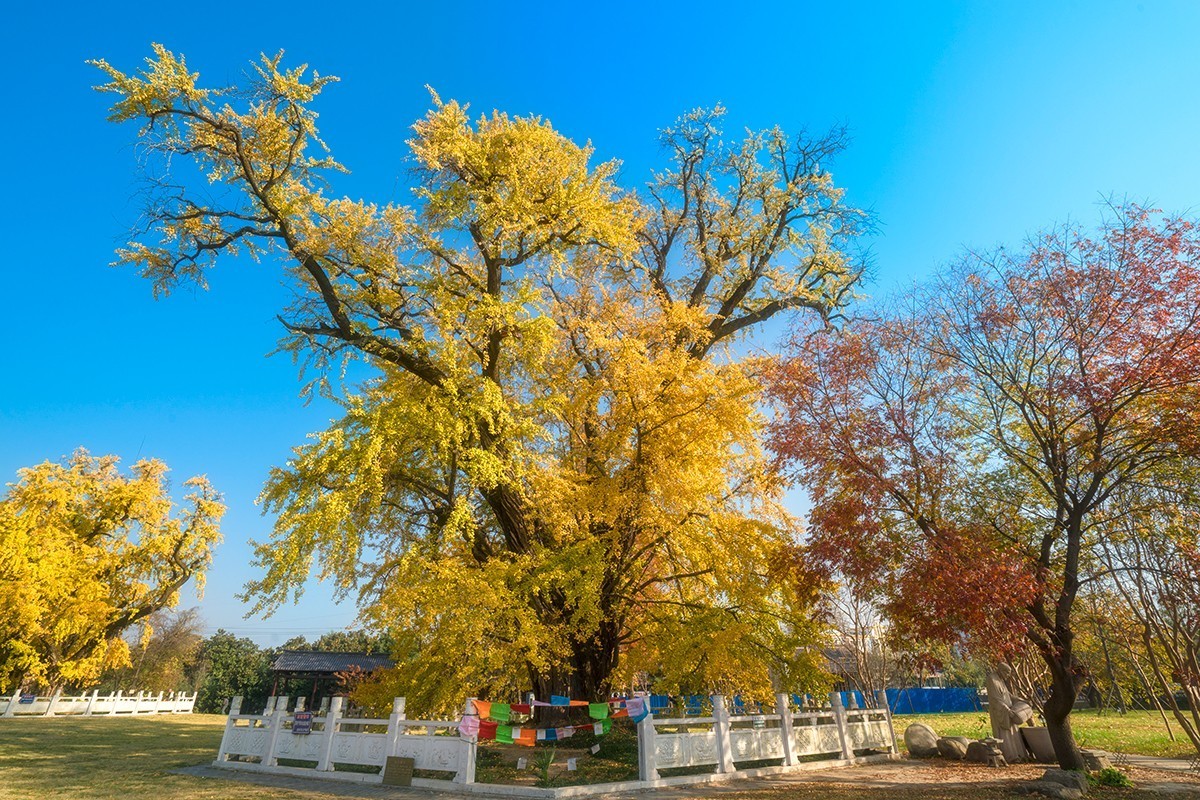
x: 96, y: 705
x: 733, y: 745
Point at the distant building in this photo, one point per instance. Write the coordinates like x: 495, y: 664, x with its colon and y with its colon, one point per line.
x: 325, y: 672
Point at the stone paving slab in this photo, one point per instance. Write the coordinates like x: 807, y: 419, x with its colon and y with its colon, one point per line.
x: 878, y: 781
x: 1154, y: 762
x: 334, y: 787
x: 883, y: 776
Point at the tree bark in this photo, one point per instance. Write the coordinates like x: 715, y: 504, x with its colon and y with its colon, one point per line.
x: 1064, y: 685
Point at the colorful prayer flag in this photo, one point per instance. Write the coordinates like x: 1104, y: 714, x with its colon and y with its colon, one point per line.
x: 487, y: 730
x: 483, y: 708
x: 551, y: 734
x: 528, y: 737
x: 598, y: 710
x: 468, y: 726
x: 565, y: 732
x: 504, y: 733
x: 636, y: 707
x: 500, y: 712
x: 559, y: 700
x: 520, y: 708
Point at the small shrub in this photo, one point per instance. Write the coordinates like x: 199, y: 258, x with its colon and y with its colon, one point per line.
x: 543, y: 761
x: 1111, y: 776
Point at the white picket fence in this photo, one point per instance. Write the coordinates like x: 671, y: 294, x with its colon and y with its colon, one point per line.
x: 268, y: 742
x: 94, y: 705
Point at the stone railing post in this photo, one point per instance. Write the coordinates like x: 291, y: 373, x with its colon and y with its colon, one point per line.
x: 299, y: 704
x: 137, y: 703
x: 278, y: 717
x: 839, y: 717
x: 235, y: 708
x: 13, y: 702
x: 723, y: 728
x: 325, y: 762
x: 466, y: 767
x: 784, y: 709
x: 395, y: 725
x: 53, y: 702
x: 324, y: 706
x: 882, y: 701
x: 269, y: 708
x: 647, y: 751
x: 91, y: 702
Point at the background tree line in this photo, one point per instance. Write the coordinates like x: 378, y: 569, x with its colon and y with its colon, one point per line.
x: 175, y: 656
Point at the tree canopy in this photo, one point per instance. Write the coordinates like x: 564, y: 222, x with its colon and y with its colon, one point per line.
x: 553, y: 476
x: 87, y: 552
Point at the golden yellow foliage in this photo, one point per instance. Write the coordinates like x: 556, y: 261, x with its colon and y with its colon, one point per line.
x: 553, y: 478
x: 85, y: 553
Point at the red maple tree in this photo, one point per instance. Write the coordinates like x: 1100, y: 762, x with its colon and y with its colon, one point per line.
x: 960, y: 445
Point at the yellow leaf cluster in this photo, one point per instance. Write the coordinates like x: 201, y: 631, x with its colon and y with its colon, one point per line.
x: 85, y: 553
x: 552, y: 476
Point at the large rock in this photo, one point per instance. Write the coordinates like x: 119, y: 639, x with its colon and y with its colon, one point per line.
x: 978, y: 752
x: 1095, y: 760
x: 1052, y: 789
x: 1067, y: 777
x: 920, y: 740
x: 953, y: 747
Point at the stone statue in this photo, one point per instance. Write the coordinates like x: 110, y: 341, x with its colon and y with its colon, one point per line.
x: 1008, y: 713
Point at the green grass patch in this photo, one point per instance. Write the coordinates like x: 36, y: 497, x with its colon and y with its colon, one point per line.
x: 616, y: 761
x: 1140, y: 732
x: 119, y: 759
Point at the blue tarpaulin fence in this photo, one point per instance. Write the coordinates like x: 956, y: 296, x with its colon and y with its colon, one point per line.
x: 933, y: 701
x: 901, y: 701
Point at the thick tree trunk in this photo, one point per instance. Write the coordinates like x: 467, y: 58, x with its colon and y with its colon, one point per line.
x: 593, y: 661
x: 1064, y: 685
x: 587, y: 674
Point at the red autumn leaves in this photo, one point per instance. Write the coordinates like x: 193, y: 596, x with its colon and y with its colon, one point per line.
x: 959, y: 440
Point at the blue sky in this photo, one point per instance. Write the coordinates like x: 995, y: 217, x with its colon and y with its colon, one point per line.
x: 973, y: 124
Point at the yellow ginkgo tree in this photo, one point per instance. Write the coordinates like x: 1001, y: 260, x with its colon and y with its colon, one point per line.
x: 552, y: 478
x: 85, y: 554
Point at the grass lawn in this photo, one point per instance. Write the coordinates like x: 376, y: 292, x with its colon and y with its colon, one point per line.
x: 116, y: 759
x: 1139, y: 732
